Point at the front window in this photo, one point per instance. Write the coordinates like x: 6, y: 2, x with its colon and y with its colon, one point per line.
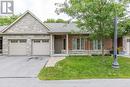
x: 97, y: 44
x: 78, y: 44
x: 64, y: 44
x: 74, y: 43
x: 82, y: 43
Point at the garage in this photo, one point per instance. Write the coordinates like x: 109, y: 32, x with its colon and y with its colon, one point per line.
x: 40, y: 47
x: 18, y: 47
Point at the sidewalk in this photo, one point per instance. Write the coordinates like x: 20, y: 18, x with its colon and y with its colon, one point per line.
x: 34, y: 82
x: 128, y: 56
x: 53, y: 60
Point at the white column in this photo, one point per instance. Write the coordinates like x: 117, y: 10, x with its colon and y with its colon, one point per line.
x: 67, y: 48
x: 51, y: 45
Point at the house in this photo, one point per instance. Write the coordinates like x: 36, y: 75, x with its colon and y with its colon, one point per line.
x: 126, y: 44
x: 29, y: 36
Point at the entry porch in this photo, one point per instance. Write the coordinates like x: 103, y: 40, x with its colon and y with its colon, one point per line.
x: 74, y: 44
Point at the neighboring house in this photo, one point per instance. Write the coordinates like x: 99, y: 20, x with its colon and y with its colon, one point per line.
x: 126, y: 44
x: 29, y: 36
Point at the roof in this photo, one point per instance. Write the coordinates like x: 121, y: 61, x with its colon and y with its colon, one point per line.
x: 27, y: 12
x: 52, y: 27
x: 2, y: 28
x: 63, y: 27
x: 56, y: 27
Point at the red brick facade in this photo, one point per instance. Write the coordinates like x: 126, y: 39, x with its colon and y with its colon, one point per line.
x: 88, y: 43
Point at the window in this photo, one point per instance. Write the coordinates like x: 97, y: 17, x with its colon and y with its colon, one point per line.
x: 64, y: 43
x: 22, y: 41
x: 78, y: 44
x: 14, y: 41
x: 36, y: 41
x: 97, y: 45
x: 45, y: 40
x: 41, y: 40
x: 82, y: 43
x: 74, y: 43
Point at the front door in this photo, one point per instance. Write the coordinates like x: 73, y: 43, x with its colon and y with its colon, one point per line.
x: 58, y: 46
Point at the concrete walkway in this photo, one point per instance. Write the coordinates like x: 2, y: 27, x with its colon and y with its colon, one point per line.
x: 53, y: 60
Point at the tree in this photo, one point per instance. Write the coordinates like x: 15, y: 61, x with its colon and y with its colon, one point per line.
x: 94, y: 16
x: 55, y: 21
x: 50, y: 21
x: 125, y: 26
x: 60, y: 21
x: 6, y: 20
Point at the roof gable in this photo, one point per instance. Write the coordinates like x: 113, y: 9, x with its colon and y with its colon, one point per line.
x: 27, y: 24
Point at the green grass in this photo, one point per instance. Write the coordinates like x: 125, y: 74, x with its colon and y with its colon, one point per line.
x: 84, y: 67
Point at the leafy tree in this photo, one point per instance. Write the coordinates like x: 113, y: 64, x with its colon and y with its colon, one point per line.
x: 50, y: 21
x: 6, y: 20
x: 125, y: 26
x: 55, y: 21
x: 94, y: 16
x: 60, y: 21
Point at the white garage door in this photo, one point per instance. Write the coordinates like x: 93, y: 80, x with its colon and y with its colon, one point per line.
x: 40, y: 47
x: 17, y: 47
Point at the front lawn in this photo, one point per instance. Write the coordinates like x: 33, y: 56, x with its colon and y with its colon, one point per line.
x: 84, y: 67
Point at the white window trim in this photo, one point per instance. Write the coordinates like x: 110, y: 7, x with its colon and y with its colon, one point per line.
x: 84, y: 40
x: 74, y: 40
x: 95, y: 42
x: 74, y: 43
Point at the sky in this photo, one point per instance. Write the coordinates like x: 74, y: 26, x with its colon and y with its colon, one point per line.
x: 43, y: 9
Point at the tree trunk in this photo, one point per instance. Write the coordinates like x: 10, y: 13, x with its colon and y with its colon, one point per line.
x: 104, y: 61
x: 102, y: 47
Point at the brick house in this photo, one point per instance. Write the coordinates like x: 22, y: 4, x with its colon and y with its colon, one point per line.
x: 29, y: 36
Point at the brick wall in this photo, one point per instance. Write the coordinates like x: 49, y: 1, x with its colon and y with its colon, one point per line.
x: 108, y: 44
x: 88, y: 43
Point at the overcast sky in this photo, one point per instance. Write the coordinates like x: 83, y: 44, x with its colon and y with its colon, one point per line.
x: 43, y: 9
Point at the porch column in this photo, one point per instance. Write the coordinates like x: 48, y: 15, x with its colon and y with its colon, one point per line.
x: 51, y: 45
x: 67, y: 48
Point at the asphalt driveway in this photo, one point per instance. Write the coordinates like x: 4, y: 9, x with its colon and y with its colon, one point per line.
x: 22, y: 72
x: 21, y: 67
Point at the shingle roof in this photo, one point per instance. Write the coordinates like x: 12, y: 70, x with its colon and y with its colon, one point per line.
x: 63, y: 27
x: 58, y: 28
x: 27, y: 12
x: 52, y: 27
x: 2, y: 28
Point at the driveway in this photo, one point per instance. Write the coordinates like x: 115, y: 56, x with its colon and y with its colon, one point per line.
x: 22, y: 72
x: 21, y: 67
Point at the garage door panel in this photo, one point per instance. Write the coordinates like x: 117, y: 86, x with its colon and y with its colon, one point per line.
x: 17, y: 47
x: 40, y: 47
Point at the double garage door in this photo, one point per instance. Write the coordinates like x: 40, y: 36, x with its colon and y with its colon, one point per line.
x: 20, y: 47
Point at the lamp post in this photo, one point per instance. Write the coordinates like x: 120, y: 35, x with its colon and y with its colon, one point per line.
x: 115, y: 63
